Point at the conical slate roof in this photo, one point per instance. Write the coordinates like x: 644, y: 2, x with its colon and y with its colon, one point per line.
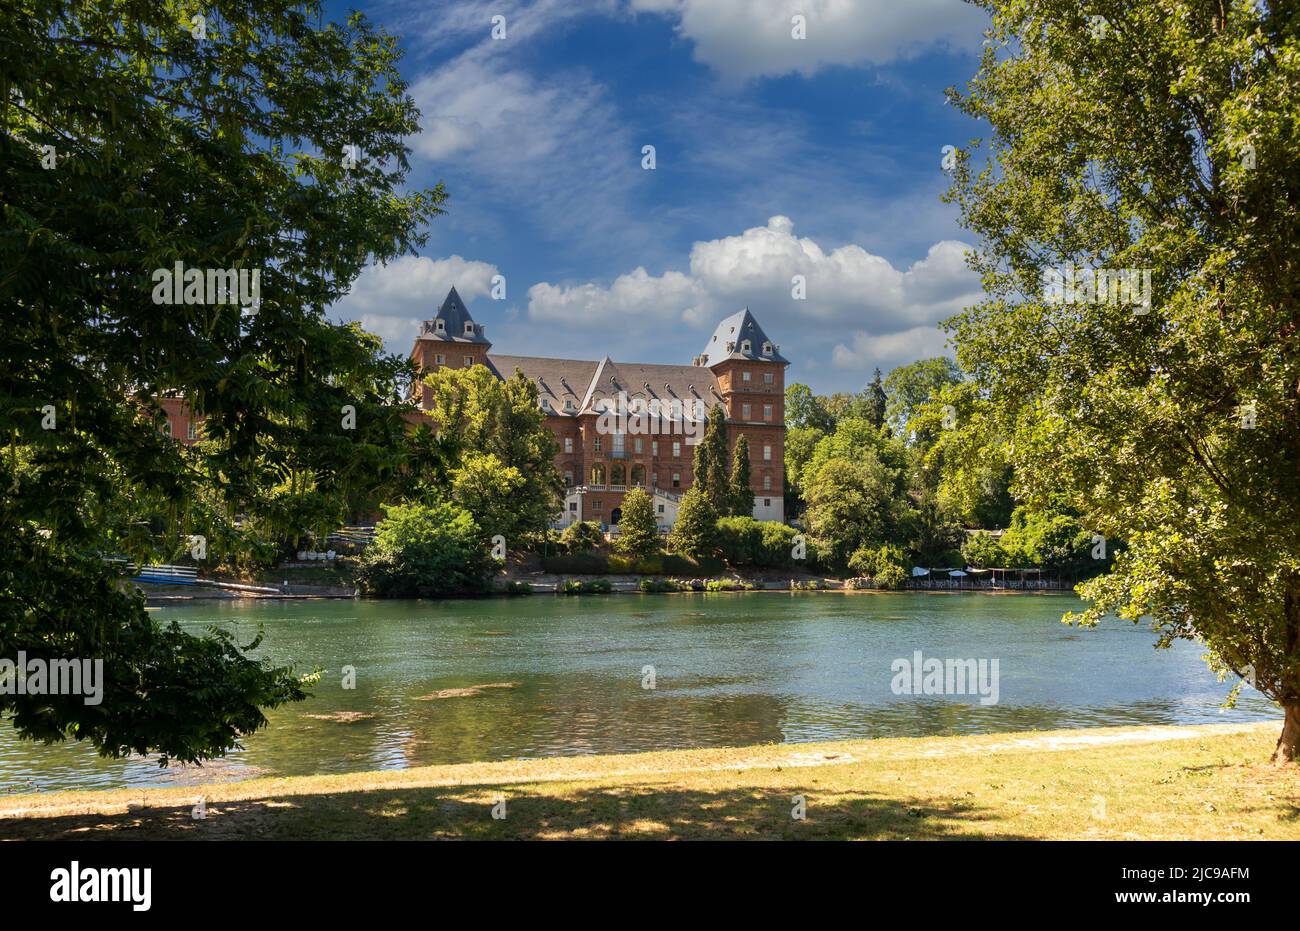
x: 457, y: 324
x: 730, y: 338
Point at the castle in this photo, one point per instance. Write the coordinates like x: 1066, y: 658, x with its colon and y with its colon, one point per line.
x: 740, y: 368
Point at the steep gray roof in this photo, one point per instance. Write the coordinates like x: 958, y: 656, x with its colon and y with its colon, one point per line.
x: 728, y: 341
x: 455, y: 317
x: 585, y: 384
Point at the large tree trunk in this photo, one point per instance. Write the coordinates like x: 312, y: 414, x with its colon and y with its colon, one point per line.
x: 1288, y: 745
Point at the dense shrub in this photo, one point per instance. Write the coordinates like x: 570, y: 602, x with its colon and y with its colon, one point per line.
x: 594, y: 586
x: 728, y: 585
x: 632, y: 565
x: 425, y: 551
x: 581, y: 536
x: 661, y: 585
x: 749, y: 542
x: 518, y: 588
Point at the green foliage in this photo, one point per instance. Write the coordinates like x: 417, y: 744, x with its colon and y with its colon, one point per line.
x: 490, y: 490
x: 581, y: 536
x: 874, y: 395
x: 497, y: 432
x: 638, y: 532
x: 589, y: 587
x: 518, y: 588
x: 740, y: 496
x: 696, y: 531
x: 806, y: 411
x: 878, y: 562
x: 710, y: 464
x: 1049, y: 540
x: 934, y: 538
x: 661, y: 585
x: 745, y: 541
x: 219, y: 154
x: 908, y: 387
x: 852, y: 504
x: 799, y: 445
x: 1166, y: 143
x: 426, y: 551
x: 965, y: 455
x: 984, y: 551
x: 729, y: 585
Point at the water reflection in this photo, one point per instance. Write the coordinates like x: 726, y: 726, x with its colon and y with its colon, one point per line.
x: 446, y: 682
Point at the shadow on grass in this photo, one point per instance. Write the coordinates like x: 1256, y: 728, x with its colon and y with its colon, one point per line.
x: 466, y: 812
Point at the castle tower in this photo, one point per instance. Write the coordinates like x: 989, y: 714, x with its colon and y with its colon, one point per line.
x: 450, y: 339
x: 751, y: 378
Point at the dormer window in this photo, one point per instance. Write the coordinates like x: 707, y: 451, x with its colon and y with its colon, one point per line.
x: 546, y: 404
x: 744, y: 345
x: 569, y: 405
x: 469, y: 328
x: 439, y: 325
x: 767, y: 349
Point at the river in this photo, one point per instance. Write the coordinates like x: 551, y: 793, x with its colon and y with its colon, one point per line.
x: 465, y: 680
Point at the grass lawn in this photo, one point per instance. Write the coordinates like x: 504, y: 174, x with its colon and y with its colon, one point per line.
x: 1210, y: 782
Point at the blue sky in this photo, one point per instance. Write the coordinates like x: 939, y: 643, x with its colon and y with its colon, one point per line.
x: 775, y: 157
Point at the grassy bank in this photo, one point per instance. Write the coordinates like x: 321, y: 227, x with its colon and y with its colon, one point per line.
x: 1115, y: 783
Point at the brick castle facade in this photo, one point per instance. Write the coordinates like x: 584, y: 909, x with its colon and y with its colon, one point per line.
x: 740, y: 368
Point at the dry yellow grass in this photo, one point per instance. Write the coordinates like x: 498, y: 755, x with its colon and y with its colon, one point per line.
x: 1211, y: 782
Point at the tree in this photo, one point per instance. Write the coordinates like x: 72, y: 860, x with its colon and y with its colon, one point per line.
x: 740, y: 496
x: 875, y: 401
x: 910, y: 386
x: 696, y: 531
x: 710, y: 466
x: 804, y: 409
x: 490, y: 491
x: 1164, y: 414
x: 799, y: 445
x: 851, y: 504
x: 479, y: 414
x: 581, y: 536
x: 965, y: 455
x: 638, y: 531
x: 128, y: 146
x: 426, y: 551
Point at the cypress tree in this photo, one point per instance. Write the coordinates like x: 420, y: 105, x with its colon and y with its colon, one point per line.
x: 739, y: 494
x: 711, y: 461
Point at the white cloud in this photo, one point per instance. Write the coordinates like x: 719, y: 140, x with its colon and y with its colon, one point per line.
x: 742, y: 39
x: 887, y: 314
x: 549, y: 148
x: 887, y: 350
x: 637, y: 299
x: 391, y: 300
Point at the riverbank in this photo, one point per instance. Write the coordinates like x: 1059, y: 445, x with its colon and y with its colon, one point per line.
x: 1148, y: 783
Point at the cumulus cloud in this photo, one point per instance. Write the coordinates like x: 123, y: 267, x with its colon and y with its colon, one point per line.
x: 637, y: 298
x: 859, y: 309
x: 743, y: 39
x: 391, y: 300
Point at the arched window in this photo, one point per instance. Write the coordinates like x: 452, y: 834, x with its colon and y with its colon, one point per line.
x: 598, y: 474
x: 617, y: 474
x: 638, y: 474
